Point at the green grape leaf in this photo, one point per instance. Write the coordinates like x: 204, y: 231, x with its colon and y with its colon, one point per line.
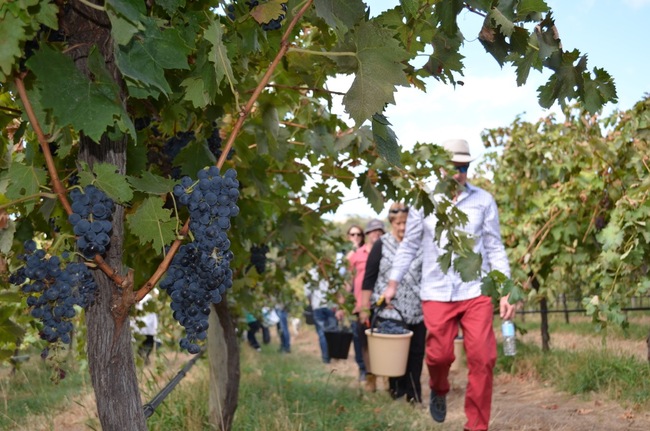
x: 370, y: 191
x: 11, y: 33
x: 410, y: 7
x: 145, y: 58
x: 7, y: 236
x: 489, y: 288
x: 25, y: 181
x: 153, y: 223
x: 170, y: 6
x: 516, y: 293
x: 506, y: 26
x: 125, y: 18
x: 91, y: 110
x: 379, y: 70
x: 386, y: 140
x: 270, y: 10
x: 271, y: 119
x: 10, y: 331
x: 197, y: 91
x: 548, y: 39
x: 530, y: 9
x: 194, y: 157
x: 598, y: 91
x: 218, y: 54
x: 212, y: 66
x: 611, y: 236
x: 340, y: 14
x: 151, y: 183
x: 106, y: 177
x: 469, y: 267
x: 444, y: 260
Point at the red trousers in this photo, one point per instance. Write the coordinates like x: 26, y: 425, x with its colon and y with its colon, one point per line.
x: 475, y: 319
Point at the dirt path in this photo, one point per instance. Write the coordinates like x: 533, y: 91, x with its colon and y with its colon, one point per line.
x: 518, y: 404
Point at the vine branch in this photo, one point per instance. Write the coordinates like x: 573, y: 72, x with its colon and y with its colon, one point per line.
x: 284, y: 46
x: 57, y: 185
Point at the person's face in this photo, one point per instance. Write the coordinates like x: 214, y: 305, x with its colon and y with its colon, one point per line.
x: 355, y: 236
x: 373, y: 236
x: 460, y: 175
x: 398, y: 225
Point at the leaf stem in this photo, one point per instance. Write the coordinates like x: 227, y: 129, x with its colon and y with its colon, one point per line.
x: 324, y: 53
x: 28, y: 198
x: 92, y: 5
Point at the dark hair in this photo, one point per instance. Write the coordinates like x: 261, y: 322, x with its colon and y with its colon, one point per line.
x: 363, y: 235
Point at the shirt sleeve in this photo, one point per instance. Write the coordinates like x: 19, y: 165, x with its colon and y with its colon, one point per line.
x: 372, y: 266
x: 493, y: 247
x: 409, y: 246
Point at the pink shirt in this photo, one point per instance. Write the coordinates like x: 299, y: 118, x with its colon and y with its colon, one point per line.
x: 357, y: 264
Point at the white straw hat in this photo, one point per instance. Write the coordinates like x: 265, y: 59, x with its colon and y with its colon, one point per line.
x: 459, y: 148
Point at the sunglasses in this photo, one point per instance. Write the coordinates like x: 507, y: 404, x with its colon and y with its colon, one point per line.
x: 399, y: 210
x: 462, y: 169
x: 355, y: 234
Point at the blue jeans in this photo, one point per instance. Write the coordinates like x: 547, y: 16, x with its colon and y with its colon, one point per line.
x: 324, y: 319
x: 358, y: 347
x: 283, y: 331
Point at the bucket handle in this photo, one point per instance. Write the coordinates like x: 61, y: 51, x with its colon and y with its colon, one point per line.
x: 378, y: 306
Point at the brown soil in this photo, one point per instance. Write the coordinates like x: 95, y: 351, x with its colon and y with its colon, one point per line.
x: 519, y: 404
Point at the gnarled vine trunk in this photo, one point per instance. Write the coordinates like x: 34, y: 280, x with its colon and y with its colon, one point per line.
x: 110, y: 356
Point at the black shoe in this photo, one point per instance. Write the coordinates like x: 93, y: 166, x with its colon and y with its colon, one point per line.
x: 438, y: 407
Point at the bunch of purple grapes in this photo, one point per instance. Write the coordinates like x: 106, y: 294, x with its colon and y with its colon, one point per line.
x: 200, y: 273
x: 214, y: 144
x: 91, y: 220
x: 390, y: 327
x: 258, y: 257
x: 53, y: 289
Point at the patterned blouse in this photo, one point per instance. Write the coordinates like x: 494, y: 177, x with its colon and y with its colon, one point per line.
x: 380, y: 262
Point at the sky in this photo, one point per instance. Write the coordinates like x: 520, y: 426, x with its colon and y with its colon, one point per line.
x: 612, y: 33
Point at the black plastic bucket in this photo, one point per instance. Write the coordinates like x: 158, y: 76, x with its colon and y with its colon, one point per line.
x: 338, y: 343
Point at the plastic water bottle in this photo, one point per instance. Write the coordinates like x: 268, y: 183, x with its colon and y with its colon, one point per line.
x: 508, y: 331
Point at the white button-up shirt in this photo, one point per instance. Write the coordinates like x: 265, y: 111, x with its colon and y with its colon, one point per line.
x: 482, y: 226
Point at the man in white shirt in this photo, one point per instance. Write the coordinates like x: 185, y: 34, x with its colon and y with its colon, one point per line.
x: 448, y: 302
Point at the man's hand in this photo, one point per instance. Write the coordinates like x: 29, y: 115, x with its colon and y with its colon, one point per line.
x: 506, y: 309
x: 340, y: 314
x: 390, y: 292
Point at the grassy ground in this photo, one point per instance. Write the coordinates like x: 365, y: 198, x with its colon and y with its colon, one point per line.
x: 34, y: 389
x: 282, y: 392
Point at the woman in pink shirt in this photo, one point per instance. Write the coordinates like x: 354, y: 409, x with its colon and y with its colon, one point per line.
x: 357, y: 266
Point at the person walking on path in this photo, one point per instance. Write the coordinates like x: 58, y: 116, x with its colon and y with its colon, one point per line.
x: 357, y: 266
x: 316, y: 290
x: 380, y: 262
x: 448, y: 301
x: 253, y: 326
x: 282, y: 311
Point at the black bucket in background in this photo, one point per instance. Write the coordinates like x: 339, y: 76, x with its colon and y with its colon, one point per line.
x: 338, y: 343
